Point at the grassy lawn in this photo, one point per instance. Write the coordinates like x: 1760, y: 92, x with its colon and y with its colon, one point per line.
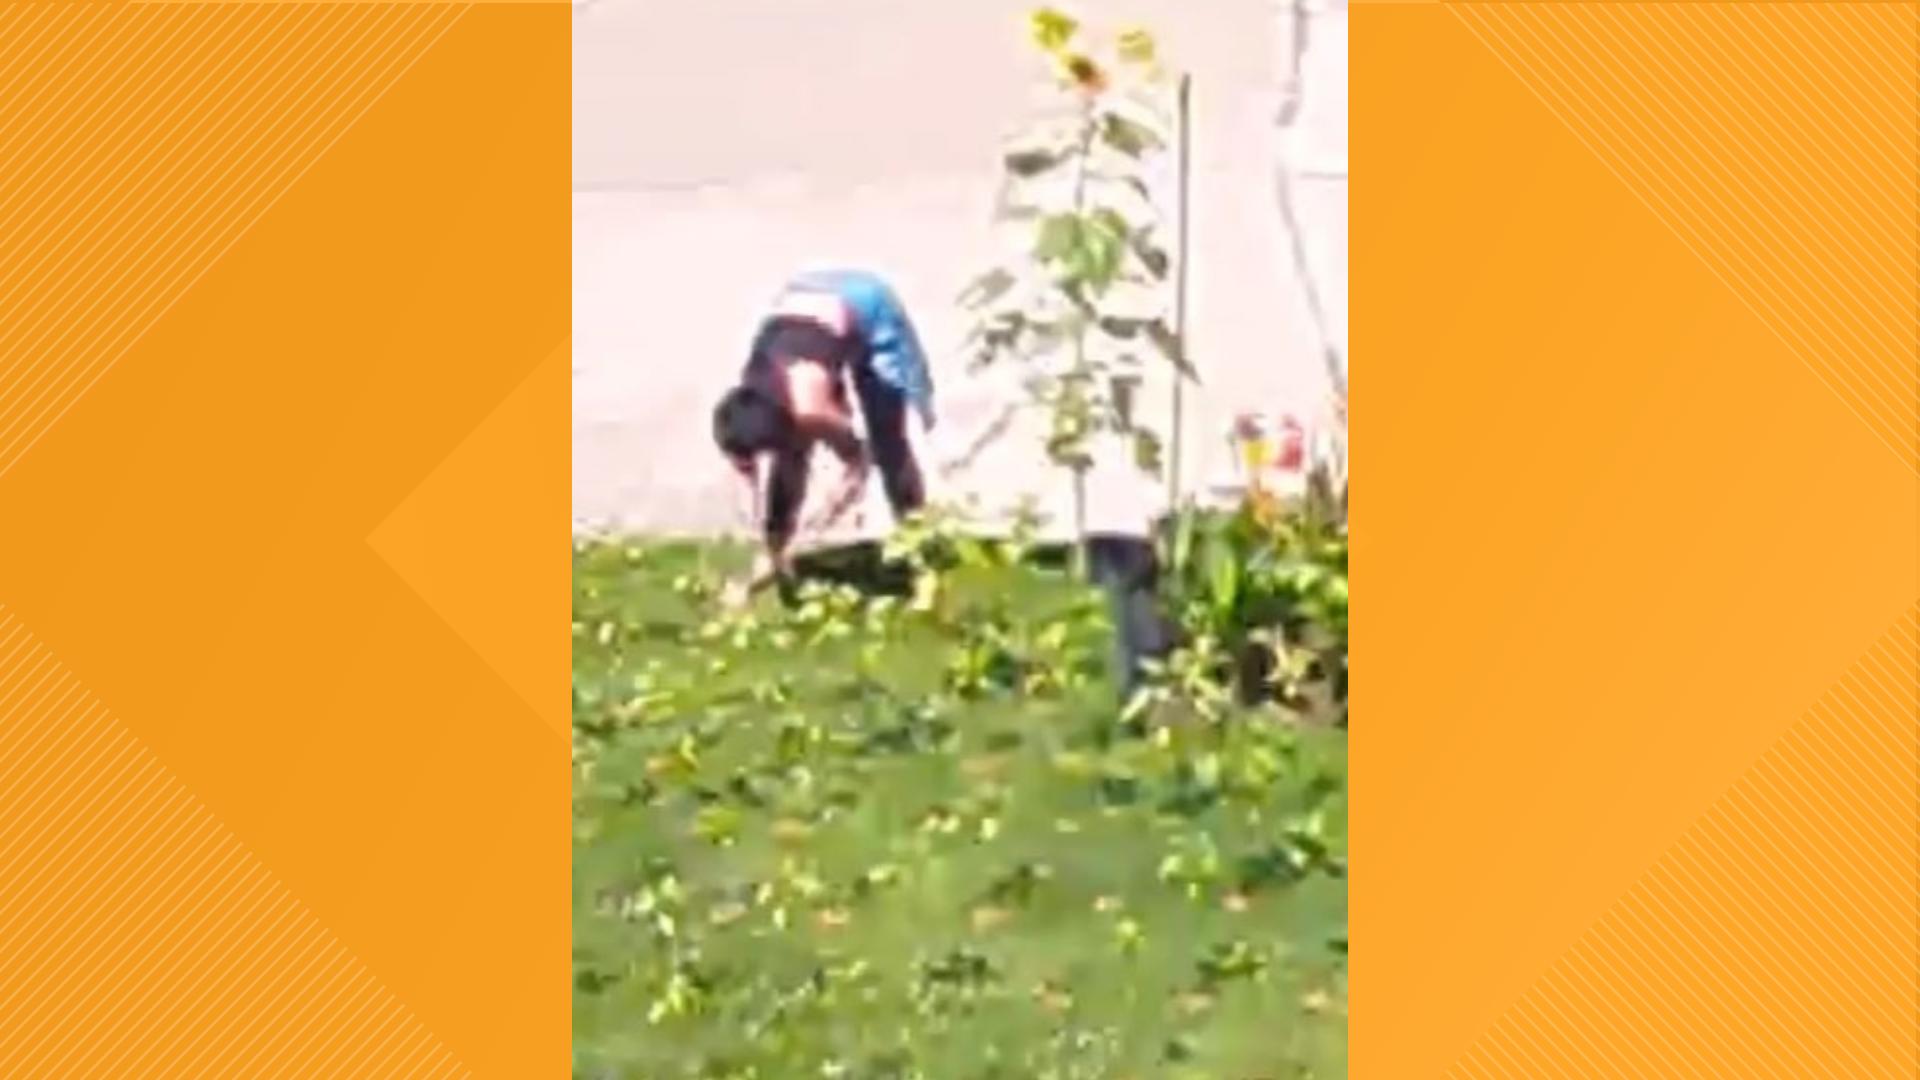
x: 853, y: 839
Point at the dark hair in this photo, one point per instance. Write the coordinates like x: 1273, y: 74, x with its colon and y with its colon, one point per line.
x: 749, y: 420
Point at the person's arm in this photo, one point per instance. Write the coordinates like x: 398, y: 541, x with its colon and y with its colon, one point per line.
x: 773, y: 514
x: 786, y: 491
x: 747, y: 469
x: 836, y: 431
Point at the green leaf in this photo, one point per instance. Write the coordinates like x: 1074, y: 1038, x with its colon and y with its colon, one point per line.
x: 1103, y: 238
x: 1156, y: 260
x: 1146, y: 451
x: 987, y: 288
x: 1088, y: 250
x: 1138, y: 186
x: 1103, y: 264
x: 1185, y: 532
x: 1030, y: 163
x: 1122, y: 390
x: 1110, y: 222
x: 1225, y: 583
x: 1059, y: 235
x: 1169, y: 345
x: 1129, y: 137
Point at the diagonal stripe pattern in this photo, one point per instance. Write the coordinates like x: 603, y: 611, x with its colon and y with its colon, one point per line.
x: 139, y: 937
x: 1778, y: 936
x: 141, y: 141
x: 1728, y: 121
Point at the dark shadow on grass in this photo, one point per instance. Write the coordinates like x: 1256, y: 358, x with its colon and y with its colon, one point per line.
x: 857, y: 565
x: 659, y: 631
x: 861, y: 565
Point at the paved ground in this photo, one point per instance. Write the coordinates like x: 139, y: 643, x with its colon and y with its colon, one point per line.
x: 719, y: 146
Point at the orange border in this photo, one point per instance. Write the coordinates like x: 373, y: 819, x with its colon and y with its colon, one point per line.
x: 282, y: 457
x: 1634, y: 296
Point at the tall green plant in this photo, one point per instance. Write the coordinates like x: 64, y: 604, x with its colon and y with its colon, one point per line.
x: 1083, y: 304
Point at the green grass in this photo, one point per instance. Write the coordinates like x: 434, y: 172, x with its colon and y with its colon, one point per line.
x: 855, y: 840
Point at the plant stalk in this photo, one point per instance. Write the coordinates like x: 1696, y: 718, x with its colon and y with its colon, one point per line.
x: 1089, y: 131
x: 1177, y: 433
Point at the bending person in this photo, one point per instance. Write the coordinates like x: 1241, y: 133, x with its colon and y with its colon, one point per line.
x: 824, y: 333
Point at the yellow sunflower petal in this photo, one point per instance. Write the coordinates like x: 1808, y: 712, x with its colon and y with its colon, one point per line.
x: 1051, y: 29
x: 1138, y: 47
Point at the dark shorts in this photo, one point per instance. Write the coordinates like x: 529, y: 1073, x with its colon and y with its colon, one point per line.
x: 883, y: 408
x: 797, y: 337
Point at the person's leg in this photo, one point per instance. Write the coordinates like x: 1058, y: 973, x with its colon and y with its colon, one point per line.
x: 883, y: 409
x: 1126, y: 569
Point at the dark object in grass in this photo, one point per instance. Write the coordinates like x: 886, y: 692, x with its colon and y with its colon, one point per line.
x: 1127, y: 570
x: 858, y: 565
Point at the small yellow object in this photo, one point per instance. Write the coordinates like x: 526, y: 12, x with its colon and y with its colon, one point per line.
x: 1051, y: 29
x: 1254, y: 451
x: 987, y: 918
x: 1193, y: 1002
x: 1138, y: 47
x: 926, y: 592
x: 791, y: 830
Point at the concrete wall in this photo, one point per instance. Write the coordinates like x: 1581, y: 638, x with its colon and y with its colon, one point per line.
x: 720, y: 145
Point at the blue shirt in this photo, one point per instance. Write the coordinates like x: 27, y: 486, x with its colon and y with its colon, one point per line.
x: 880, y: 321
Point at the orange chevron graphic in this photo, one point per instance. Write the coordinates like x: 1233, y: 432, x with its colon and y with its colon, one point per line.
x: 141, y: 937
x: 425, y: 541
x: 1626, y: 529
x: 274, y: 264
x: 141, y: 142
x: 1778, y: 936
x: 1776, y: 140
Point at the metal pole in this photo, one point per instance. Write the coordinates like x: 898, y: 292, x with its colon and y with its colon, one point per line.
x: 1180, y: 292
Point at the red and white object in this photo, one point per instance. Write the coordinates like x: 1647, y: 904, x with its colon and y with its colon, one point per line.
x: 1290, y: 447
x: 1277, y: 453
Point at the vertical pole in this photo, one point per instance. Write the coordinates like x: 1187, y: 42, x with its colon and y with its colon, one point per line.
x: 1180, y: 291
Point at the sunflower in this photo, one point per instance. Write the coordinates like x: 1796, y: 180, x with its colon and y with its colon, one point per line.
x: 1051, y: 29
x: 1084, y: 73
